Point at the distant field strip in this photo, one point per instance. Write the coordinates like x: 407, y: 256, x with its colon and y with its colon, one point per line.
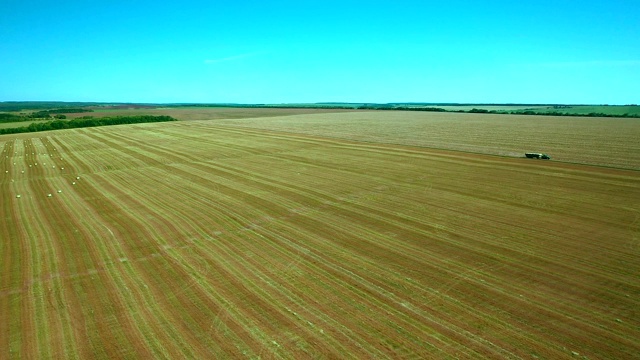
x: 215, y: 239
x: 596, y: 141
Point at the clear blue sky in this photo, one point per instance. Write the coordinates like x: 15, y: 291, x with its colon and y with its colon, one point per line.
x: 316, y: 51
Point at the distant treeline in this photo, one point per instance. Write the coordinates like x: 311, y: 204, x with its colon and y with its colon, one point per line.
x: 41, y: 105
x: 547, y: 113
x: 417, y: 107
x: 263, y: 106
x: 59, y: 108
x: 485, y: 111
x: 406, y: 108
x: 86, y: 121
x: 44, y: 114
x: 7, y: 118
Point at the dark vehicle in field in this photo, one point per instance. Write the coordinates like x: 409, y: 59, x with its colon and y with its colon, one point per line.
x: 537, y: 156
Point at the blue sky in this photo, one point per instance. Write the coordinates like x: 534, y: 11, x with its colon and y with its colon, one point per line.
x: 285, y: 51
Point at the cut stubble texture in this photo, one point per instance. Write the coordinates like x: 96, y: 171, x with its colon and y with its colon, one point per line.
x: 208, y: 239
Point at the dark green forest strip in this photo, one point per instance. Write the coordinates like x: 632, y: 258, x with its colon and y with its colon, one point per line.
x: 86, y: 122
x: 7, y: 118
x: 41, y: 105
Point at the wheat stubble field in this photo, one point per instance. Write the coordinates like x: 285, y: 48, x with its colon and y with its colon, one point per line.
x: 230, y: 239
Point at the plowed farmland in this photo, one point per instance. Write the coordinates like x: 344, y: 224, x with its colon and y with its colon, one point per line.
x: 214, y: 239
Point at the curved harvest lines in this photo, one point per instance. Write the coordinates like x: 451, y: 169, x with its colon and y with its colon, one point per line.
x: 195, y: 240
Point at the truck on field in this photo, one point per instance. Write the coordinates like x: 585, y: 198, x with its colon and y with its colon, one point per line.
x: 537, y: 156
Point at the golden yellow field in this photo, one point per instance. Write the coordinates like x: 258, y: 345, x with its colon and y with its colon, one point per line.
x: 345, y: 235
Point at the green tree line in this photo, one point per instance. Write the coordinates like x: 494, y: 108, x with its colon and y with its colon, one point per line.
x: 48, y: 113
x: 549, y: 113
x: 86, y: 122
x: 8, y: 118
x: 44, y: 114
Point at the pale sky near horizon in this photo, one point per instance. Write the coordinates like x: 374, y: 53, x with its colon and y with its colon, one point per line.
x: 287, y: 51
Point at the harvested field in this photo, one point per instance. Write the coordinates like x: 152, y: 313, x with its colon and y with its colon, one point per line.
x: 595, y: 141
x: 216, y: 239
